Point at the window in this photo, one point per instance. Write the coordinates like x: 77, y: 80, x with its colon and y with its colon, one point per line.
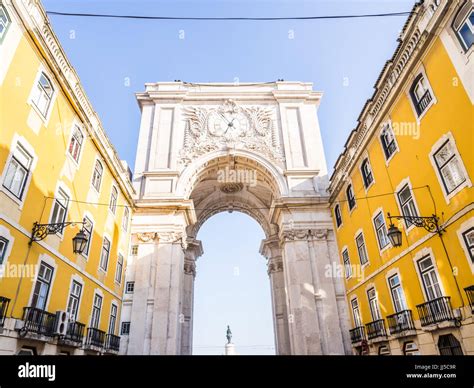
x: 18, y: 171
x: 42, y: 286
x: 27, y: 351
x: 113, y: 199
x: 373, y: 304
x: 356, y: 313
x: 113, y: 319
x: 449, y: 167
x: 43, y: 94
x: 96, y: 309
x: 384, y: 350
x: 367, y: 176
x: 429, y: 278
x: 4, y: 22
x: 129, y: 287
x: 337, y: 214
x: 125, y: 328
x: 134, y: 250
x: 347, y: 263
x: 388, y: 142
x: 87, y: 228
x: 381, y: 230
x: 465, y: 27
x: 361, y: 249
x: 350, y: 197
x: 76, y: 143
x: 97, y: 175
x: 405, y: 198
x: 468, y: 237
x: 74, y: 300
x: 104, y: 256
x: 420, y: 94
x: 396, y: 291
x: 410, y: 349
x: 448, y: 345
x: 118, y: 271
x: 60, y: 205
x: 3, y: 249
x: 126, y: 216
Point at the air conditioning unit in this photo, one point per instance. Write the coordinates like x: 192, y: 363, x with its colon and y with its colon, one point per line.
x: 62, y: 320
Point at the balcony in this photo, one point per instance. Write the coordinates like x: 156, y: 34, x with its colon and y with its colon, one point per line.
x: 376, y: 329
x: 357, y: 334
x: 401, y: 322
x: 4, y: 302
x: 112, y: 343
x: 38, y: 321
x: 470, y: 296
x: 95, y: 339
x: 435, y: 311
x: 423, y: 102
x: 74, y: 334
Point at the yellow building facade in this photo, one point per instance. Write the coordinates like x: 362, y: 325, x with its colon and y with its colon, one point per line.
x: 411, y: 156
x: 56, y: 166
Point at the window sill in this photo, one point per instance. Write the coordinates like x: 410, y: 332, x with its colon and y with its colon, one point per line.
x: 14, y: 198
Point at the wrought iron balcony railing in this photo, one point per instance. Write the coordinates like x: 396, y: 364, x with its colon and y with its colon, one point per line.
x: 357, y: 334
x: 38, y: 321
x: 376, y: 329
x: 435, y: 311
x: 400, y: 322
x: 95, y: 337
x: 112, y: 342
x: 75, y: 332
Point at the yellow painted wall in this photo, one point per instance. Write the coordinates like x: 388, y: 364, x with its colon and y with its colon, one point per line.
x: 50, y: 145
x: 452, y: 112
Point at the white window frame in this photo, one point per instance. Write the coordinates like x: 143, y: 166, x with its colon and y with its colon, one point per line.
x: 389, y: 275
x: 44, y: 117
x: 52, y: 263
x: 465, y: 226
x: 121, y: 327
x: 119, y: 281
x: 105, y: 237
x: 127, y: 288
x: 361, y: 323
x: 358, y: 233
x: 113, y: 206
x: 61, y: 187
x: 420, y: 70
x: 75, y: 279
x: 374, y: 215
x: 97, y: 189
x: 361, y: 171
x: 116, y: 317
x: 468, y: 8
x: 388, y: 124
x: 89, y: 242
x: 377, y: 311
x: 5, y: 234
x: 76, y: 125
x: 97, y: 292
x: 436, y: 147
x: 23, y: 143
x: 7, y: 24
x: 338, y: 206
x: 125, y: 218
x: 406, y: 182
x: 421, y: 254
x: 347, y: 274
x: 349, y: 184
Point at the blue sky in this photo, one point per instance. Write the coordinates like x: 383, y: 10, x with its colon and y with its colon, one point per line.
x: 115, y: 57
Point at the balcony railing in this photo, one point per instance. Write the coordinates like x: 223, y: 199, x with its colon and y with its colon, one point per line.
x: 95, y: 337
x: 4, y: 302
x: 435, y: 311
x: 112, y: 342
x: 423, y: 102
x: 376, y: 329
x: 38, y: 321
x: 75, y: 332
x: 357, y: 334
x: 470, y: 296
x: 400, y: 322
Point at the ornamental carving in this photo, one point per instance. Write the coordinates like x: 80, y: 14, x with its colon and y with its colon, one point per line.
x: 231, y: 187
x: 230, y: 126
x: 304, y: 234
x: 190, y: 267
x: 172, y: 238
x: 274, y: 266
x: 146, y: 236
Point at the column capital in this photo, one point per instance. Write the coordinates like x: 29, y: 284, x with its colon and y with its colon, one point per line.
x: 194, y: 246
x: 190, y: 267
x: 274, y: 265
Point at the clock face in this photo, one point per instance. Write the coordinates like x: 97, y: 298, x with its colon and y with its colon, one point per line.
x: 229, y: 124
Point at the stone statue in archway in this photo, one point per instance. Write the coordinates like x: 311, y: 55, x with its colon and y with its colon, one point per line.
x: 229, y: 334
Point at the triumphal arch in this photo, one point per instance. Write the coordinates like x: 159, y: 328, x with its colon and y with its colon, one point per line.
x: 254, y: 148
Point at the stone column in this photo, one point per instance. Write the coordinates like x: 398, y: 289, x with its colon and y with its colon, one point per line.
x: 271, y: 250
x: 169, y: 279
x: 193, y: 251
x: 303, y: 322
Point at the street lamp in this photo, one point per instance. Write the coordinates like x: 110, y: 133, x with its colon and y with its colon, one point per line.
x: 430, y: 224
x: 40, y: 231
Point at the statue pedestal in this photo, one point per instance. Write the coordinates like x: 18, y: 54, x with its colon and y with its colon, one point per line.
x: 230, y: 350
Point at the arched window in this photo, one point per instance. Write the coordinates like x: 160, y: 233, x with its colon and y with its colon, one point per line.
x: 420, y: 94
x: 388, y: 142
x: 97, y: 175
x: 350, y: 197
x: 337, y: 214
x: 113, y: 199
x: 366, y: 171
x: 463, y: 25
x: 448, y: 345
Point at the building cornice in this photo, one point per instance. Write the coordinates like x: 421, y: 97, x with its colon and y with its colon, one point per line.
x: 37, y: 25
x: 418, y: 32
